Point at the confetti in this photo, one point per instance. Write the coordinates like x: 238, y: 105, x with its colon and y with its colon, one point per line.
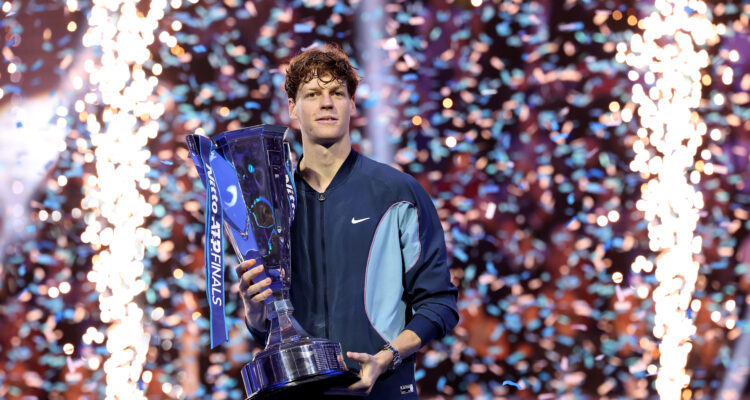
x: 519, y: 119
x: 511, y: 383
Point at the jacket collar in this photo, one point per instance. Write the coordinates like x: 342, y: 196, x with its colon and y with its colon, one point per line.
x: 341, y: 175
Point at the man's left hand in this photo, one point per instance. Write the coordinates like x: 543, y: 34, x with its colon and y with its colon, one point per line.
x: 372, y: 367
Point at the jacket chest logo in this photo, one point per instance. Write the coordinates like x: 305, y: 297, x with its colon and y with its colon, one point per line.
x: 356, y: 221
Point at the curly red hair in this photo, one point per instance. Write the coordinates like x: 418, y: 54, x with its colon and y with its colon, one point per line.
x: 318, y: 62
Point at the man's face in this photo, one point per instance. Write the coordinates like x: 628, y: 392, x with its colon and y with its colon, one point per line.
x: 323, y: 109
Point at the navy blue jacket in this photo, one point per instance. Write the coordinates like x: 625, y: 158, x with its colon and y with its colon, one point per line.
x: 368, y: 261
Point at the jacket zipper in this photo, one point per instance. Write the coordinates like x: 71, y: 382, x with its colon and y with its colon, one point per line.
x: 321, y: 199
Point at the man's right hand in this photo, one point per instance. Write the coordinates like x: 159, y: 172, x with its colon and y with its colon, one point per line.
x: 253, y: 295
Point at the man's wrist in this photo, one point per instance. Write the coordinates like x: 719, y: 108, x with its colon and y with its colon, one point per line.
x: 395, y: 356
x: 258, y: 324
x: 384, y: 359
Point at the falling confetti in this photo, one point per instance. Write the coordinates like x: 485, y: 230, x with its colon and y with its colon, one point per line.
x: 521, y: 119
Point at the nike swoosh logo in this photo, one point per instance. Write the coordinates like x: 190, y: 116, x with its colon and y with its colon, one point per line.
x: 356, y: 221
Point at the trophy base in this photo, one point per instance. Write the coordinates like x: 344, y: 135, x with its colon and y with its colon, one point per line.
x: 308, y: 366
x: 317, y: 387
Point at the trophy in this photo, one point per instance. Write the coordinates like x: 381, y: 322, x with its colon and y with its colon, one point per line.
x: 250, y: 191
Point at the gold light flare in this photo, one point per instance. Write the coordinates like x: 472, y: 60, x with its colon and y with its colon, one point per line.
x: 668, y: 54
x: 115, y: 208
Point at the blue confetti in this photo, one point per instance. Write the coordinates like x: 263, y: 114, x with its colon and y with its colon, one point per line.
x: 303, y: 28
x: 511, y: 383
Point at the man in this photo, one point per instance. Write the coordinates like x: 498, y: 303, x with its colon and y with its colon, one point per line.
x: 368, y: 254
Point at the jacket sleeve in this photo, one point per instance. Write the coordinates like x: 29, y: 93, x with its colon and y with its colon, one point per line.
x: 427, y: 282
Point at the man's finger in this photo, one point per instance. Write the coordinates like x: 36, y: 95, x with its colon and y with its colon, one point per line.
x: 256, y: 288
x: 259, y: 298
x: 359, y: 385
x: 358, y: 357
x: 244, y: 266
x: 248, y: 276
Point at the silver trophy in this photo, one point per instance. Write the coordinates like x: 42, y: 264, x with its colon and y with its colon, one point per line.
x: 258, y: 207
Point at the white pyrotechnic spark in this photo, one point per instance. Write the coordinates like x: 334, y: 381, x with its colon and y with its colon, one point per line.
x: 115, y: 208
x: 371, y: 34
x: 668, y: 58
